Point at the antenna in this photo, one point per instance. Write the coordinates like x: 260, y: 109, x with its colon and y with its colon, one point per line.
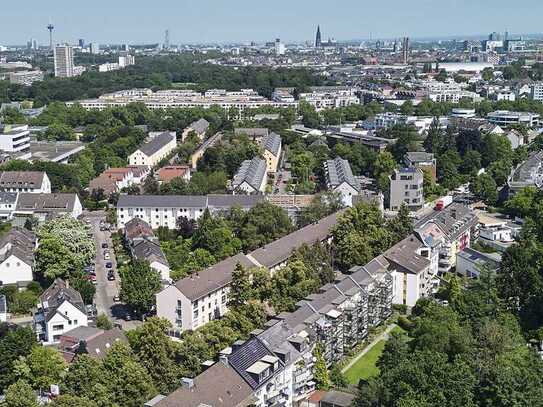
x: 50, y: 27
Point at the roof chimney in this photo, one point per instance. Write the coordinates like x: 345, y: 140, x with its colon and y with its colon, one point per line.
x: 187, y: 383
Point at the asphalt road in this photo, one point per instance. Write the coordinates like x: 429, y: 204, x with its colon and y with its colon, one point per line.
x: 105, y: 290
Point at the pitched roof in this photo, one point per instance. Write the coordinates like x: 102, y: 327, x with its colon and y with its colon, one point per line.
x: 252, y: 131
x: 97, y: 341
x: 22, y: 179
x: 280, y: 250
x: 418, y: 156
x: 148, y: 250
x: 219, y: 385
x: 272, y: 143
x: 252, y: 172
x: 56, y: 294
x: 157, y: 143
x: 222, y: 201
x: 169, y: 172
x: 339, y: 171
x: 404, y: 255
x: 46, y: 202
x: 212, y: 278
x: 200, y: 126
x: 8, y: 197
x: 137, y: 227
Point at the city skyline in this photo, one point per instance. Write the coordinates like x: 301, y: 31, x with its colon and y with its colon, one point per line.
x: 241, y: 21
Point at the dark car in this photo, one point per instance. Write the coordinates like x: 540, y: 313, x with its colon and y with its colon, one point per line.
x: 111, y: 275
x: 109, y: 265
x: 104, y: 246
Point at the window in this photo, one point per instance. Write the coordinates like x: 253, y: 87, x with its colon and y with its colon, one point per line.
x: 58, y: 327
x: 195, y: 314
x: 75, y: 321
x: 179, y: 303
x: 223, y: 299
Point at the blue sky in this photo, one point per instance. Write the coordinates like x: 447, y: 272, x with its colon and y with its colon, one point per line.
x: 192, y: 21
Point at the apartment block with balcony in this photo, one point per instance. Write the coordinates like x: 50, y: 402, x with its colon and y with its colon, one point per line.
x: 15, y: 140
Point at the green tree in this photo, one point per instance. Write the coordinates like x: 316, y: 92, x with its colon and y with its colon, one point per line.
x: 139, y: 284
x: 13, y: 344
x: 20, y: 394
x: 383, y: 167
x: 87, y: 378
x: 156, y: 352
x: 103, y: 322
x: 484, y: 187
x: 263, y: 224
x: 73, y: 401
x: 240, y: 288
x: 41, y: 368
x: 320, y: 372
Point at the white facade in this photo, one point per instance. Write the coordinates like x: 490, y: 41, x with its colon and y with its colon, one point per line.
x: 14, y: 270
x: 536, y: 91
x: 64, y: 61
x: 65, y: 319
x: 139, y: 157
x: 44, y: 188
x: 161, y: 269
x: 16, y: 139
x: 506, y: 118
x: 158, y: 216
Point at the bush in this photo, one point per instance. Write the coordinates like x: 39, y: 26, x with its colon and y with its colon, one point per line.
x: 405, y: 323
x: 103, y: 322
x: 401, y: 308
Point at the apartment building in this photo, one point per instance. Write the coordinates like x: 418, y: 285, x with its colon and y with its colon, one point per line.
x: 527, y: 173
x: 271, y: 151
x: 164, y: 210
x: 153, y: 151
x: 251, y: 177
x: 8, y: 203
x: 327, y: 97
x: 35, y: 182
x: 200, y: 151
x: 60, y: 309
x: 406, y: 187
x: 25, y: 78
x: 64, y: 61
x: 15, y: 140
x: 45, y: 206
x: 536, y: 91
x: 201, y: 297
x: 505, y: 118
x: 113, y: 180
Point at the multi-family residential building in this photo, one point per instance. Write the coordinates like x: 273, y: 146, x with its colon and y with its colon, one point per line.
x: 153, y: 151
x: 471, y: 263
x: 271, y: 151
x: 114, y: 180
x: 424, y: 161
x: 45, y: 206
x: 35, y: 182
x: 340, y: 178
x: 505, y: 118
x: 251, y: 177
x: 195, y: 300
x: 164, y: 210
x: 15, y: 140
x: 60, y: 309
x: 255, y: 133
x: 17, y: 257
x: 527, y: 173
x: 453, y: 225
x: 406, y: 187
x: 144, y: 245
x: 200, y: 151
x: 326, y: 97
x: 536, y: 91
x: 25, y: 78
x: 184, y: 98
x: 64, y: 61
x: 199, y: 127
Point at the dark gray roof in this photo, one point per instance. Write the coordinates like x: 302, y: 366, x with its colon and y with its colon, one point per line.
x: 162, y: 201
x: 61, y: 203
x: 339, y: 171
x: 478, y: 257
x: 218, y: 386
x: 338, y: 398
x: 252, y: 131
x: 8, y: 197
x: 137, y: 228
x: 280, y: 250
x: 454, y: 220
x: 251, y: 171
x: 148, y: 250
x: 227, y: 201
x: 22, y: 244
x: 157, y: 143
x: 530, y: 172
x: 404, y: 254
x: 21, y: 179
x: 200, y: 126
x: 211, y: 279
x: 252, y: 351
x: 272, y: 143
x: 56, y: 294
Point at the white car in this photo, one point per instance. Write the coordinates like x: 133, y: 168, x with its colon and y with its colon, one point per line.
x: 107, y: 256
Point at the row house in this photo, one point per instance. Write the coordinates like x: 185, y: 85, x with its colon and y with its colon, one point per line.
x: 114, y: 180
x: 201, y: 297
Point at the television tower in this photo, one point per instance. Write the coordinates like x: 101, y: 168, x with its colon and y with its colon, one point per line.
x: 50, y: 27
x: 167, y: 40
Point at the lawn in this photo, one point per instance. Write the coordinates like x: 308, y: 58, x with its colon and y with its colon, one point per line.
x: 364, y: 368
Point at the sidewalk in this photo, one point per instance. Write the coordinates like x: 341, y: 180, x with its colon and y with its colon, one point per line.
x: 380, y: 337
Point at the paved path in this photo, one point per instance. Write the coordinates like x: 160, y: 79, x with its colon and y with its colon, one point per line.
x: 383, y: 335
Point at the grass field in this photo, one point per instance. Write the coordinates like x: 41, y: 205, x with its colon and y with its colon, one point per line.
x: 364, y: 368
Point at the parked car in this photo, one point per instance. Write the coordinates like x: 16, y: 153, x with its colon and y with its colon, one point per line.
x: 110, y: 275
x: 107, y: 256
x: 117, y: 299
x: 109, y: 265
x: 104, y: 245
